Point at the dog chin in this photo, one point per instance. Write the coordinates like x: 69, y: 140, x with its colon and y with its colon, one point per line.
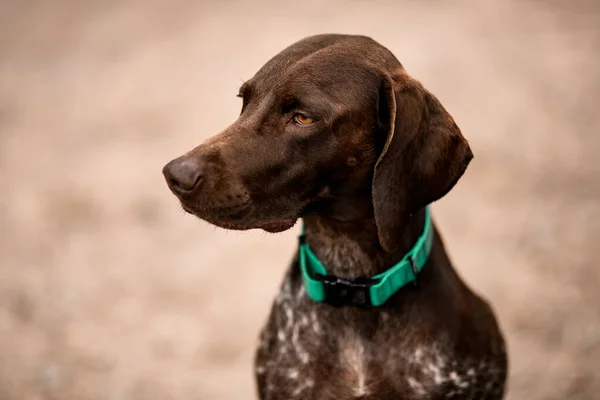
x: 278, y: 226
x: 271, y: 227
x: 232, y: 224
x: 240, y: 222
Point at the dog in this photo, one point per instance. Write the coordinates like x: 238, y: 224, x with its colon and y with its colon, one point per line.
x: 335, y: 132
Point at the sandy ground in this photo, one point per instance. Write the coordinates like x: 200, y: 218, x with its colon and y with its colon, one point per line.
x: 109, y: 291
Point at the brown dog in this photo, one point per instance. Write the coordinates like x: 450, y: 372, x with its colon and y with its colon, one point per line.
x: 333, y: 130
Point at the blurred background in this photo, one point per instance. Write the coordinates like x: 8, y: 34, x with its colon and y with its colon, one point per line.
x: 109, y: 291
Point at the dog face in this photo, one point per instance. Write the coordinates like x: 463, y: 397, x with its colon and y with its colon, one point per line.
x: 330, y: 118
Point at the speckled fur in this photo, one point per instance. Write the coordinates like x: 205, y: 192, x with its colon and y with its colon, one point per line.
x: 314, y: 351
x: 399, y: 351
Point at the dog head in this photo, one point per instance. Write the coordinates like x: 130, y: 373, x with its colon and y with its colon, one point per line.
x: 329, y: 119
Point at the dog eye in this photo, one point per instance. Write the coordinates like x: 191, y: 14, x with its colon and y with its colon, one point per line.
x: 303, y: 120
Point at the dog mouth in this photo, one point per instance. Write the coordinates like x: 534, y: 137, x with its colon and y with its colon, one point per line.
x: 234, y: 217
x: 229, y: 211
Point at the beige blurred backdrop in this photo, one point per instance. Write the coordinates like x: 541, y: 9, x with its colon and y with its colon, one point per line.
x: 109, y: 291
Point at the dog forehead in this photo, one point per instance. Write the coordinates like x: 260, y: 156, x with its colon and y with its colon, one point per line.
x: 327, y: 58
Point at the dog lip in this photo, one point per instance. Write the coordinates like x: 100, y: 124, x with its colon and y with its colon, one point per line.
x: 219, y: 211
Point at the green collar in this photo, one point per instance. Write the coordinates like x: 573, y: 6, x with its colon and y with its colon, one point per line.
x: 373, y: 291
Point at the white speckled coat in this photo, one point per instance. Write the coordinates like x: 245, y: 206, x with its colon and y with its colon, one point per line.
x: 439, y: 341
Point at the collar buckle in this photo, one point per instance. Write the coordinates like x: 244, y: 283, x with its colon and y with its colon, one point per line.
x: 344, y: 292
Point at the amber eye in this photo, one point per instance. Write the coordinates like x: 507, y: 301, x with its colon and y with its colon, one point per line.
x: 303, y: 120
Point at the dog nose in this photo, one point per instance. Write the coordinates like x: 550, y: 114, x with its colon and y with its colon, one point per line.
x: 184, y: 175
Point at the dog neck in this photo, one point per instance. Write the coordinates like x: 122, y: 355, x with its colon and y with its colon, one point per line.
x: 347, y: 243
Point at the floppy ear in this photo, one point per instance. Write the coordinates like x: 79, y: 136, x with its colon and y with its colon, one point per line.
x: 423, y: 157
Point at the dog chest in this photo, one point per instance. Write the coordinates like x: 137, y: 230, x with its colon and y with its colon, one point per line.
x: 303, y: 356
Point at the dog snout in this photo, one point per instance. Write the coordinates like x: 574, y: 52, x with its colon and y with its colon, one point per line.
x: 184, y: 175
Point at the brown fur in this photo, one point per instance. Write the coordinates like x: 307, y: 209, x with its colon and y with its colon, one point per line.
x: 380, y: 149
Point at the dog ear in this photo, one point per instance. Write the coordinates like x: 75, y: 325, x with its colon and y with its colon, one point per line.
x: 423, y: 156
